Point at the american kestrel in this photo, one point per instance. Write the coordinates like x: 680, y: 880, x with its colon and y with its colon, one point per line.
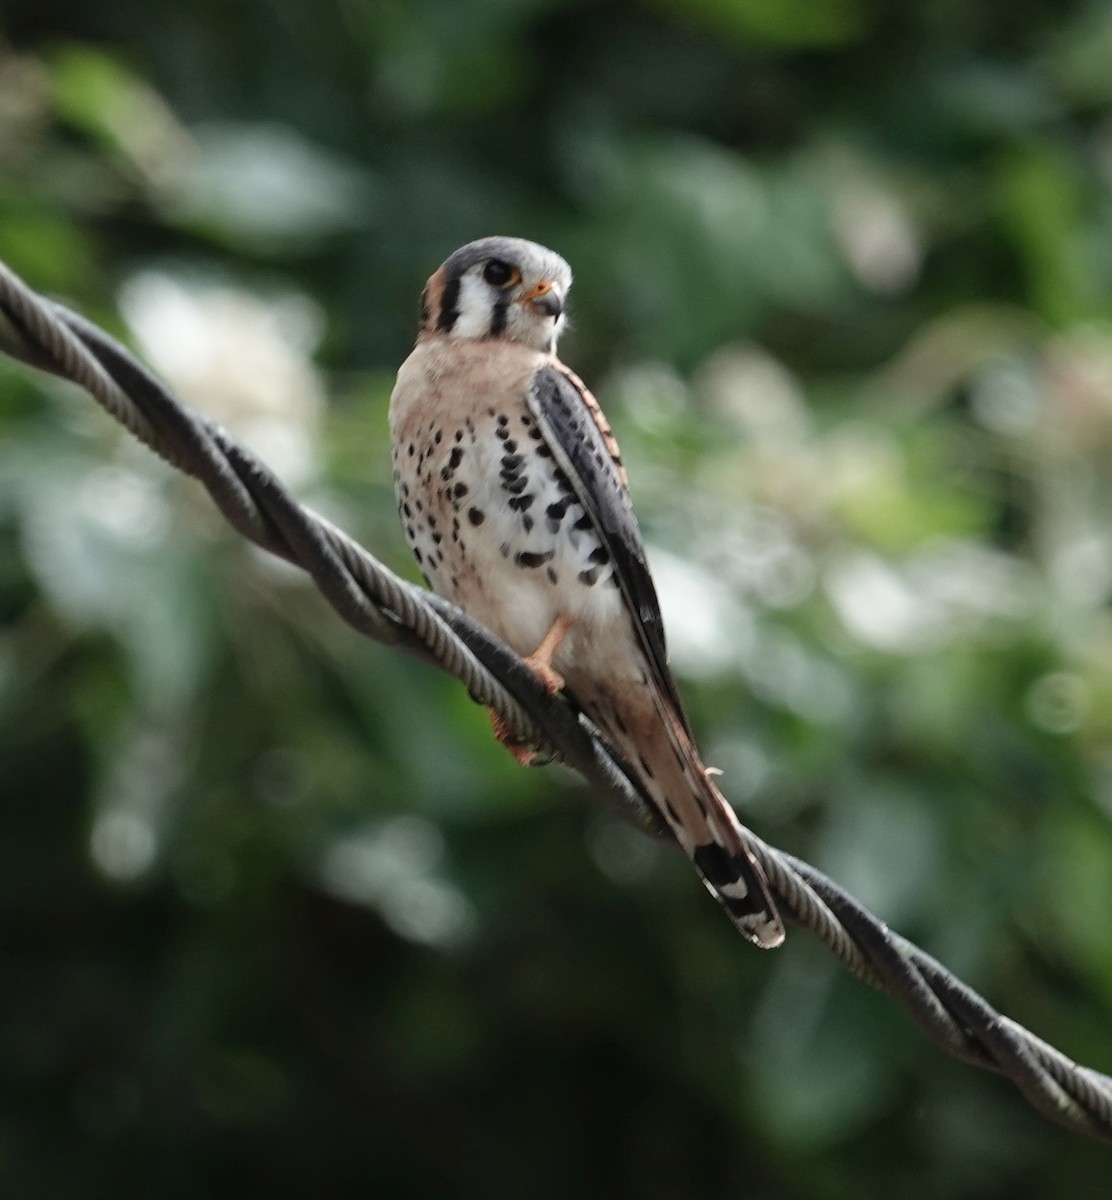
x: 516, y: 506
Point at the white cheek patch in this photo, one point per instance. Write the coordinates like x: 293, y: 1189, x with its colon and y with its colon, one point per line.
x: 475, y: 308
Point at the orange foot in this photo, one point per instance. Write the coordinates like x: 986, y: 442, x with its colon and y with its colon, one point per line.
x: 540, y: 663
x: 548, y: 675
x: 525, y: 755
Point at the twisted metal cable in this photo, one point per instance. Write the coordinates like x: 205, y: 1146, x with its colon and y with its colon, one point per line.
x: 382, y: 606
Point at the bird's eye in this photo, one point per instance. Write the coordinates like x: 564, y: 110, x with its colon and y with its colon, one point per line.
x: 500, y: 274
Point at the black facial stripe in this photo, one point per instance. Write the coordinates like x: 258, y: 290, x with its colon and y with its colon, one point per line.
x: 499, y: 315
x: 449, y: 304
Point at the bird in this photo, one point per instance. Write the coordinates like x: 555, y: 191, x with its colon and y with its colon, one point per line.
x: 516, y: 506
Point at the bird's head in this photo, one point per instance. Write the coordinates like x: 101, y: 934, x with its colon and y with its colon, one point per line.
x: 499, y: 287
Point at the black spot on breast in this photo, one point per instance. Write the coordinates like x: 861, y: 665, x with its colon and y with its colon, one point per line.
x: 503, y: 420
x: 455, y: 458
x: 556, y: 510
x: 589, y: 576
x: 598, y: 555
x: 511, y: 445
x: 458, y: 436
x: 411, y: 449
x: 475, y: 516
x: 583, y: 523
x: 438, y: 437
x: 552, y: 576
x: 544, y: 452
x: 514, y: 486
x: 527, y: 524
x: 528, y: 558
x: 511, y: 463
x: 521, y: 503
x: 460, y: 489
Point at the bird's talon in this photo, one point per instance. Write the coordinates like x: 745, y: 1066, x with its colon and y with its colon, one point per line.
x: 551, y: 679
x: 522, y: 752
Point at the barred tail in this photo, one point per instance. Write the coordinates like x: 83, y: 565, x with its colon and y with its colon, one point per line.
x: 701, y: 819
x: 735, y: 879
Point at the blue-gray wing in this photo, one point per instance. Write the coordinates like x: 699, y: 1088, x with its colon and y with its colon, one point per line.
x: 574, y: 429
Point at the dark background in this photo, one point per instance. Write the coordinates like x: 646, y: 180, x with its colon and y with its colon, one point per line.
x: 276, y: 916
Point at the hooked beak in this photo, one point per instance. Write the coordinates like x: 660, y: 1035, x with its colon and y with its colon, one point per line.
x: 543, y: 298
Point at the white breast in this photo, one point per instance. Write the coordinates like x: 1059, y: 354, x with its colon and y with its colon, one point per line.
x: 492, y: 520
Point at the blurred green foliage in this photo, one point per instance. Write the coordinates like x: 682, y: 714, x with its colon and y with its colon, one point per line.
x: 276, y: 915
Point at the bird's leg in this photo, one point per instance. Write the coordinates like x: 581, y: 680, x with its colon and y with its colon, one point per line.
x: 540, y: 663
